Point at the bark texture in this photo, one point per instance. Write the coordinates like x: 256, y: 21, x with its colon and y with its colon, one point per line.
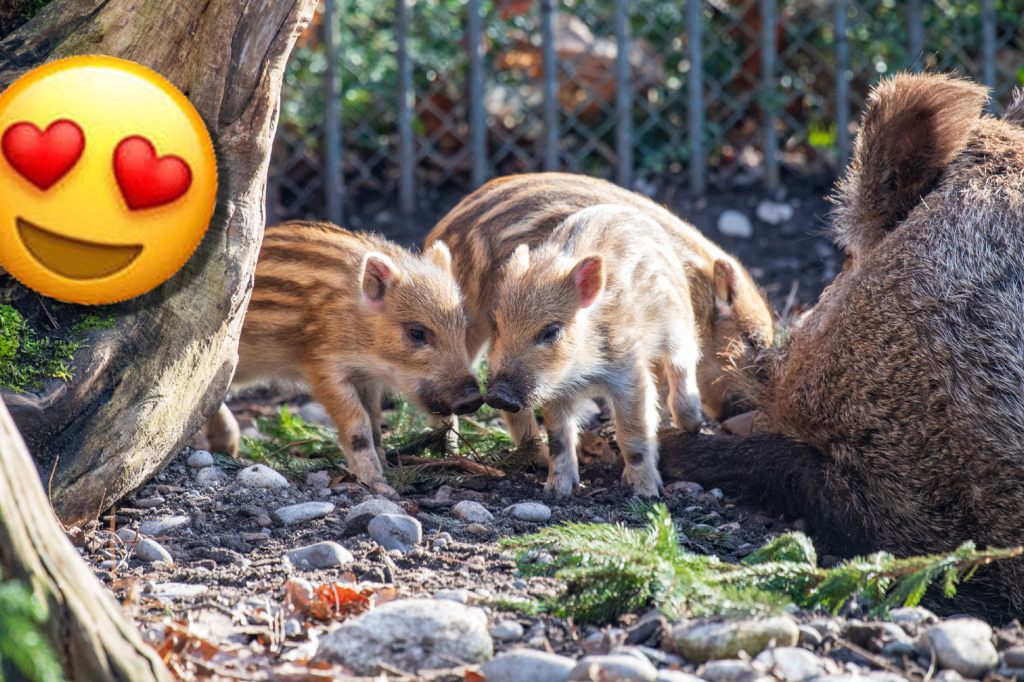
x: 85, y: 625
x: 141, y: 389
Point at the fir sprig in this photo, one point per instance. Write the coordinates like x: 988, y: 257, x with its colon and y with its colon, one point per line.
x: 607, y: 570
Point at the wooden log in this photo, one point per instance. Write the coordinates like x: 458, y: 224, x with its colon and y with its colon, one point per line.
x: 85, y: 626
x: 141, y: 389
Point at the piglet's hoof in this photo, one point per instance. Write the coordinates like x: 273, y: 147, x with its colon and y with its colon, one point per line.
x: 741, y: 424
x: 383, y: 489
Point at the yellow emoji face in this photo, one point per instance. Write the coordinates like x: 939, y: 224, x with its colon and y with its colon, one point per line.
x: 107, y: 179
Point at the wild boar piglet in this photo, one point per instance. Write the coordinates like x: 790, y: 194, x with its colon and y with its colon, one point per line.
x: 351, y: 316
x: 600, y: 306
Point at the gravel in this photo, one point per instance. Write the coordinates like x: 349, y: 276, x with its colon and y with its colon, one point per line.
x: 260, y: 476
x: 536, y: 512
x: 396, y: 531
x: 320, y: 555
x: 302, y: 513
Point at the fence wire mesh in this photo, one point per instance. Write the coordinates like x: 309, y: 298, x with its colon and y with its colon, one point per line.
x: 604, y: 87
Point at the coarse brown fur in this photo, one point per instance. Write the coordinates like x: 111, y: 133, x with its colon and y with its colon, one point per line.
x: 904, y: 387
x: 352, y: 315
x: 730, y: 312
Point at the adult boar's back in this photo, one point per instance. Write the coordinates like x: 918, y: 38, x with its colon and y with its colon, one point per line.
x: 892, y: 418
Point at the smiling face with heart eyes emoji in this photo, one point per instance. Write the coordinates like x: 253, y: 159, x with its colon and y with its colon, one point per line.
x: 108, y: 179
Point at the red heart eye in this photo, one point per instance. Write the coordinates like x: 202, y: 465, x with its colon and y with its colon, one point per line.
x: 145, y: 179
x: 40, y: 157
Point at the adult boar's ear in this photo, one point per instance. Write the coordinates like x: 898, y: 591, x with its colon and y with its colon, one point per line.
x: 376, y: 275
x: 913, y: 127
x: 588, y: 278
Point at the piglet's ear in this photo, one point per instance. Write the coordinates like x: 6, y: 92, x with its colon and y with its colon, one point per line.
x: 377, y: 276
x: 439, y: 255
x: 588, y: 277
x: 519, y: 262
x: 725, y: 287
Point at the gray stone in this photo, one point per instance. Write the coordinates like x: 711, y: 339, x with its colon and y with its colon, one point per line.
x: 507, y: 631
x: 396, y: 531
x: 210, y: 477
x: 774, y: 212
x: 791, y: 663
x: 1014, y: 657
x: 458, y: 596
x: 409, y: 635
x: 472, y: 512
x: 149, y: 502
x: 529, y: 511
x: 527, y: 665
x: 315, y: 413
x: 912, y: 615
x: 688, y: 488
x: 675, y: 676
x: 199, y: 459
x: 163, y: 526
x: 295, y: 514
x: 726, y: 670
x: 177, y: 591
x: 150, y: 550
x: 703, y: 641
x: 732, y: 223
x: 619, y: 667
x: 477, y: 529
x: 261, y: 476
x: 318, y: 480
x: 948, y: 676
x: 358, y: 517
x: 320, y: 555
x: 809, y: 637
x: 129, y: 535
x: 964, y: 645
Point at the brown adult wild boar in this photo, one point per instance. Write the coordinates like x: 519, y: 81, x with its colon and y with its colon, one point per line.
x: 893, y: 415
x: 350, y: 316
x: 730, y: 313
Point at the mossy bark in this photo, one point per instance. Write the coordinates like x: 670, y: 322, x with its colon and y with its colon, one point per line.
x: 143, y: 387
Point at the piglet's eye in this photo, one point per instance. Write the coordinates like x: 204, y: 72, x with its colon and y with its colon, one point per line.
x: 418, y: 335
x: 549, y: 334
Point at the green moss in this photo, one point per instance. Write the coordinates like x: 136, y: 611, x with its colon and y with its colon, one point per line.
x: 26, y: 359
x: 30, y: 353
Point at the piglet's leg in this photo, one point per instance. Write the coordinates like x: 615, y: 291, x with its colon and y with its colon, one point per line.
x: 522, y: 428
x: 563, y: 466
x: 371, y: 396
x: 222, y: 431
x: 355, y: 427
x: 636, y: 428
x: 683, y: 393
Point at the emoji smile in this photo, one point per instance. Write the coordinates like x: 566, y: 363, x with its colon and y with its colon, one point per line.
x: 75, y: 258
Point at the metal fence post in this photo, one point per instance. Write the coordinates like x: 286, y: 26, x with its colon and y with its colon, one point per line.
x: 768, y: 94
x: 915, y: 35
x: 406, y: 177
x: 547, y: 20
x: 334, y: 186
x: 988, y: 49
x: 477, y: 115
x: 842, y: 83
x: 695, y: 93
x: 623, y: 96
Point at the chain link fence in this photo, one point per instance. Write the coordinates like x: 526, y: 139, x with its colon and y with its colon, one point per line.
x: 392, y: 103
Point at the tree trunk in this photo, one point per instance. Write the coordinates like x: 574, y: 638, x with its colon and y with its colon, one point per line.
x: 84, y: 624
x: 141, y: 390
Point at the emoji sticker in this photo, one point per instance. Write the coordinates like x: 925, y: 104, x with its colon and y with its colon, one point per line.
x: 107, y: 179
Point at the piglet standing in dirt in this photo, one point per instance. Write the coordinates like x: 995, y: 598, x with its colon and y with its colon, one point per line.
x: 593, y: 310
x: 728, y: 313
x: 352, y: 316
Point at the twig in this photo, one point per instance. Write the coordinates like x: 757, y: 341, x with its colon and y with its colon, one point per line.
x: 790, y: 299
x: 42, y: 305
x: 455, y: 461
x: 875, y: 660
